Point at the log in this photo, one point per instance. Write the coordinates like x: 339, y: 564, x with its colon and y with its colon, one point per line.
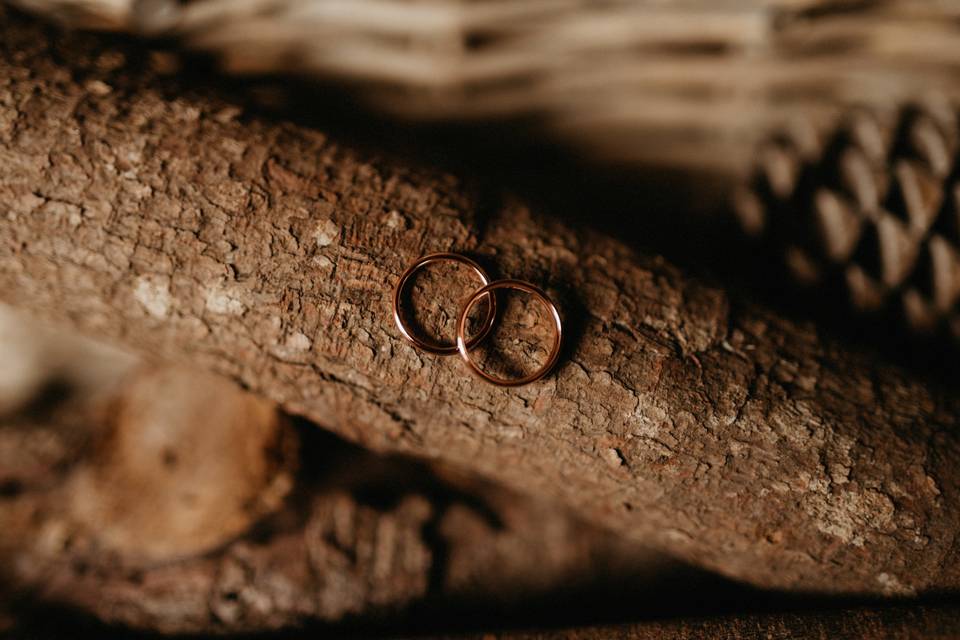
x: 682, y: 416
x: 169, y: 500
x: 477, y: 550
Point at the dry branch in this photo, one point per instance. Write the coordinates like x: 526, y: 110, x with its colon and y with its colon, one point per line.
x: 704, y: 425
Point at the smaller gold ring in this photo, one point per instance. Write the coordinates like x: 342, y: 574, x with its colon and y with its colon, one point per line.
x: 463, y: 346
x: 430, y: 346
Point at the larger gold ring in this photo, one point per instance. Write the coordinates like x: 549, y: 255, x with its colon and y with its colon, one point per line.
x: 435, y: 347
x: 464, y: 346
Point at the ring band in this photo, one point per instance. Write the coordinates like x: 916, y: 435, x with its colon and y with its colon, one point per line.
x: 463, y: 346
x: 430, y: 346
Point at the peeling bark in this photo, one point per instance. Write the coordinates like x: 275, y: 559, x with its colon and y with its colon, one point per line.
x: 704, y: 425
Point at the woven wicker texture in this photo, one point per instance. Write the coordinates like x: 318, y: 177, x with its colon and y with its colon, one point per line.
x: 689, y: 84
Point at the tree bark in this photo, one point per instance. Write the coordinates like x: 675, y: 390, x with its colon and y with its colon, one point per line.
x: 169, y: 500
x: 680, y: 416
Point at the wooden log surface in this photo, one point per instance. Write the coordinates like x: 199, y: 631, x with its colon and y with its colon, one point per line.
x: 696, y: 422
x: 138, y: 495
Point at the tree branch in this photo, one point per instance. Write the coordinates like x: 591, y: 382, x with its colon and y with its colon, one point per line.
x: 706, y: 426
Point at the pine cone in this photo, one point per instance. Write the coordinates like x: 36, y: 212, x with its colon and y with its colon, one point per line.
x: 873, y: 207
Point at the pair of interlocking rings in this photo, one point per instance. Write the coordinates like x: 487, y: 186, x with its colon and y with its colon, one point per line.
x: 464, y: 345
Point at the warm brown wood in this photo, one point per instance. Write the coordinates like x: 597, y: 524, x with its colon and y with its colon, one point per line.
x: 168, y: 499
x: 701, y: 424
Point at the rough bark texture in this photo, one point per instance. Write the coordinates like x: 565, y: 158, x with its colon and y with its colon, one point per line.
x: 706, y: 426
x: 169, y: 500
